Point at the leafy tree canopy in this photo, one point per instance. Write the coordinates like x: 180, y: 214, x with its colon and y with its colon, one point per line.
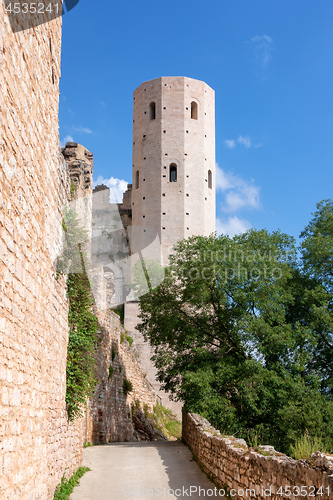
x: 242, y: 335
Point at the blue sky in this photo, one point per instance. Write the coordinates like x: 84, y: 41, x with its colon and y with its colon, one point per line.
x: 270, y: 63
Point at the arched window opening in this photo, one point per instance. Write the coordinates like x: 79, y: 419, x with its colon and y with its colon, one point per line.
x: 137, y: 179
x: 173, y: 172
x: 194, y: 110
x: 152, y: 111
x: 210, y: 179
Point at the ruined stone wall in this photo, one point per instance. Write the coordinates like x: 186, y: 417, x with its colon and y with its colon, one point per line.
x: 250, y: 474
x: 37, y: 444
x: 110, y: 409
x: 80, y: 165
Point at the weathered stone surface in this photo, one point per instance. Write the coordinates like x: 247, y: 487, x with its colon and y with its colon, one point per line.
x: 110, y: 410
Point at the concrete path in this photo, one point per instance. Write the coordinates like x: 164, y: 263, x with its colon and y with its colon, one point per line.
x: 143, y: 470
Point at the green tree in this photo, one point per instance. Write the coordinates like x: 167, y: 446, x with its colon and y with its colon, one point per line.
x: 227, y: 340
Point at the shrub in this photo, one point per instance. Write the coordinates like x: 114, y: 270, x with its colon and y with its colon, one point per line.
x: 127, y: 386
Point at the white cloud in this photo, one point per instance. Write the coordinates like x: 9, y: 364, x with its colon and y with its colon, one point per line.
x: 82, y: 130
x: 262, y: 46
x: 239, y: 193
x: 230, y: 143
x: 68, y: 138
x: 117, y: 187
x: 231, y: 226
x: 245, y: 141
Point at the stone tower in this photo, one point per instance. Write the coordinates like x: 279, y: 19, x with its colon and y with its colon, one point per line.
x: 173, y: 161
x: 173, y: 192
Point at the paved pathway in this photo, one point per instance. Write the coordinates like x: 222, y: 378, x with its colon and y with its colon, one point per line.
x: 142, y: 470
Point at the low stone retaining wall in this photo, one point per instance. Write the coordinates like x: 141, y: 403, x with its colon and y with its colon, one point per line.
x: 246, y: 473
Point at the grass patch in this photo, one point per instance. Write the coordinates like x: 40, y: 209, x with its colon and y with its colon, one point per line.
x: 305, y: 446
x: 166, y: 422
x: 65, y: 488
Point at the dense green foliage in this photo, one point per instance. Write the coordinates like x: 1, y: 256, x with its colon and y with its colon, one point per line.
x: 242, y: 332
x: 80, y: 374
x: 65, y: 488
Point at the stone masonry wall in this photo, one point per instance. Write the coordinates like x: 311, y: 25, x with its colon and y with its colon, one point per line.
x: 249, y: 474
x: 37, y: 444
x: 109, y: 416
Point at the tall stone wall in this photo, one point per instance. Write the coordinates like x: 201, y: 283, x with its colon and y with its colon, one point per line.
x: 247, y: 473
x: 37, y: 444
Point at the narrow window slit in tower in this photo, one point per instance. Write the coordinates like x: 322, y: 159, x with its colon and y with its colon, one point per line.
x: 152, y: 111
x: 210, y: 179
x: 194, y: 110
x: 137, y: 179
x: 173, y: 172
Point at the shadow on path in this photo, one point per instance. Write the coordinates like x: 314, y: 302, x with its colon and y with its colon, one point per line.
x: 143, y: 470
